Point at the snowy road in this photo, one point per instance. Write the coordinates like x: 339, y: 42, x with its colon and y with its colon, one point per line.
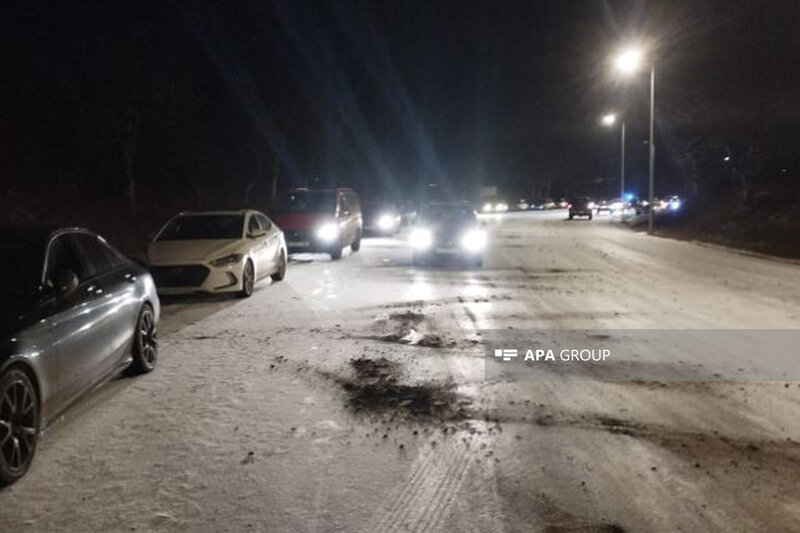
x: 305, y: 408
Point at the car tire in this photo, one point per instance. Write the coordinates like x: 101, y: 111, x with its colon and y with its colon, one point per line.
x: 356, y: 245
x: 280, y: 273
x: 19, y: 424
x: 248, y: 280
x: 570, y: 216
x: 336, y: 253
x: 145, y: 342
x: 590, y: 217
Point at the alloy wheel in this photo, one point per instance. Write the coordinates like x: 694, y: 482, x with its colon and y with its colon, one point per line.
x: 18, y: 424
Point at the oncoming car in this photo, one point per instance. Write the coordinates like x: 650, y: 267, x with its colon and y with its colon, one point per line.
x: 381, y: 218
x: 580, y: 206
x: 448, y: 229
x: 75, y: 313
x: 321, y: 221
x: 217, y: 252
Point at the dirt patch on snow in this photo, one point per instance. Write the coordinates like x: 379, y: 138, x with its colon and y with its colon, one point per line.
x: 375, y: 387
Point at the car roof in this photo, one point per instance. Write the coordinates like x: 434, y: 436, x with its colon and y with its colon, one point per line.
x: 306, y: 189
x: 37, y: 233
x: 214, y: 213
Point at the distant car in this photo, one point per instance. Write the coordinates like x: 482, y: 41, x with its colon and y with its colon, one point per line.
x: 521, y: 205
x: 217, y: 252
x: 381, y: 218
x: 321, y: 220
x: 494, y: 205
x: 580, y: 206
x: 448, y: 229
x: 75, y: 313
x: 602, y: 207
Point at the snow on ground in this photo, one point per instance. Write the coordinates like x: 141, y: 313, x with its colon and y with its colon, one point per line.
x: 351, y: 397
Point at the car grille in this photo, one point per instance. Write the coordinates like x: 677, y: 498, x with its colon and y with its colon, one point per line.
x: 179, y: 275
x: 294, y: 235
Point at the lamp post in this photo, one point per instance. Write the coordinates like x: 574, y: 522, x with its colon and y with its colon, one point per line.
x: 628, y: 62
x: 609, y: 120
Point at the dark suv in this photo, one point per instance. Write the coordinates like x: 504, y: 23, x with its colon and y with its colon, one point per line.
x: 321, y: 220
x: 581, y: 206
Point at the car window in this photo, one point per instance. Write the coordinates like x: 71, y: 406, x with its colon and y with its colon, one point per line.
x: 63, y: 255
x: 309, y: 202
x: 96, y: 257
x: 352, y: 202
x: 201, y: 227
x: 344, y: 205
x: 254, y: 225
x: 114, y: 257
x: 264, y: 221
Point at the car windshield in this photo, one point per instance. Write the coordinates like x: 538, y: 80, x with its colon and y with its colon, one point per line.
x: 447, y: 213
x: 201, y: 227
x: 19, y: 268
x: 309, y: 202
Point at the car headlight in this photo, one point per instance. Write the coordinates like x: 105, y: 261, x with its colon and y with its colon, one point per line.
x: 502, y: 208
x: 474, y: 240
x: 385, y: 222
x: 231, y: 259
x: 590, y: 205
x: 328, y: 232
x: 421, y: 239
x: 487, y: 208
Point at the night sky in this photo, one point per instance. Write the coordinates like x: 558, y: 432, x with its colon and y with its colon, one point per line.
x: 384, y: 96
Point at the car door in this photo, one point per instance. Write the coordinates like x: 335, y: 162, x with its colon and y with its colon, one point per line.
x: 345, y: 217
x: 272, y: 243
x: 115, y: 276
x: 257, y: 238
x: 74, y: 320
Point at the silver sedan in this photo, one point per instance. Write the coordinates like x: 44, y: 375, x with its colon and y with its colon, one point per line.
x: 75, y: 312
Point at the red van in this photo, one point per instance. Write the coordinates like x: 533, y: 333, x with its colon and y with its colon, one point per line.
x: 321, y: 221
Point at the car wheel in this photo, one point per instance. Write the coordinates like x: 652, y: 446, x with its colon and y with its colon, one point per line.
x: 19, y: 425
x: 280, y: 273
x: 336, y: 253
x: 356, y: 246
x: 145, y: 342
x: 570, y: 216
x: 248, y: 280
x: 590, y: 217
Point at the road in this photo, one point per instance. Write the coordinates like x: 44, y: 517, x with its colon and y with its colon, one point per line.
x: 351, y: 397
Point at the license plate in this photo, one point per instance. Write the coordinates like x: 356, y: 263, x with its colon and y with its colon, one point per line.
x: 299, y: 244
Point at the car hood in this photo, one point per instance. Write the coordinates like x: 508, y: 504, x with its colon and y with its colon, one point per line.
x: 294, y: 221
x: 177, y: 252
x: 451, y: 230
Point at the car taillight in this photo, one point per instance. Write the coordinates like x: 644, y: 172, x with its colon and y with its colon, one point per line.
x: 569, y: 206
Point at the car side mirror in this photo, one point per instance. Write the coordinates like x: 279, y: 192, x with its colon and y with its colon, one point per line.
x: 346, y: 212
x: 65, y: 282
x: 257, y: 233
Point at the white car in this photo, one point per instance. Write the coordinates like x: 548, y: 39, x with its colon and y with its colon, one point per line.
x: 217, y: 252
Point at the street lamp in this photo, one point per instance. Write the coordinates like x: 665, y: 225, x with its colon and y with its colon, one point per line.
x: 609, y: 120
x: 628, y: 62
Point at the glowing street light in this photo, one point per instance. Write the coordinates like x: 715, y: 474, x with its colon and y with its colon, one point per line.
x: 609, y: 120
x: 628, y: 62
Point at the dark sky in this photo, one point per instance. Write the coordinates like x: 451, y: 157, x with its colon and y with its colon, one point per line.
x: 382, y: 95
